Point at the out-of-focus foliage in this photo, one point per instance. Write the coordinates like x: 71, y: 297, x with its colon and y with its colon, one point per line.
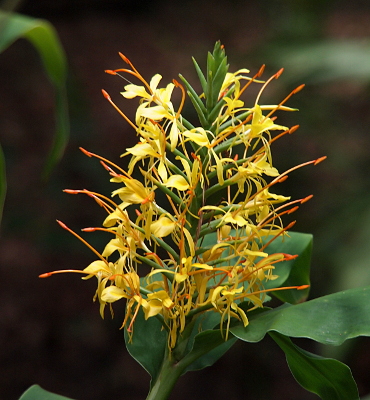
x: 44, y: 38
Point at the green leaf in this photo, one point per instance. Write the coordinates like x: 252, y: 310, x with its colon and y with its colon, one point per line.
x: 205, y: 345
x: 328, y: 378
x: 44, y: 38
x: 330, y: 319
x: 35, y: 392
x: 148, y: 344
x: 201, y: 77
x: 294, y: 272
x: 208, y: 347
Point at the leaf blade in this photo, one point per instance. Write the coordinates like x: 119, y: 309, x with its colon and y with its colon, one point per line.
x: 330, y: 319
x: 328, y: 378
x: 36, y: 392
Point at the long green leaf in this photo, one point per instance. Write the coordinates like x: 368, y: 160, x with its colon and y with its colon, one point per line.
x: 328, y: 378
x: 208, y: 347
x: 330, y: 319
x: 205, y: 344
x: 148, y: 343
x: 44, y: 38
x: 35, y: 392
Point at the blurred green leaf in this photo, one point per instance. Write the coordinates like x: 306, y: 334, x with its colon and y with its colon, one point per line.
x: 330, y: 319
x: 44, y: 38
x: 294, y: 272
x: 35, y: 392
x: 328, y: 378
x: 325, y: 61
x: 148, y: 343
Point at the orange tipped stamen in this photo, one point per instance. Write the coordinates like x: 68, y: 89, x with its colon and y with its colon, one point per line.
x: 64, y: 226
x: 257, y: 75
x: 106, y: 95
x: 299, y: 88
x: 278, y: 74
x: 266, y: 83
x: 284, y: 178
x: 62, y: 271
x: 110, y: 71
x: 302, y: 287
x: 87, y: 153
x: 306, y: 198
x: 289, y: 131
x: 320, y: 159
x: 90, y: 154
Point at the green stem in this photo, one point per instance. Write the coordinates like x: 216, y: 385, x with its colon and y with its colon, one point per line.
x: 170, y: 372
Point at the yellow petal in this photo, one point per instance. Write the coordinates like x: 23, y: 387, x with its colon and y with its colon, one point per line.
x: 162, y: 227
x: 112, y: 293
x: 178, y: 182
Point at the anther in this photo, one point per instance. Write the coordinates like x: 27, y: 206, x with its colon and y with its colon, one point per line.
x: 71, y: 191
x: 282, y: 179
x: 106, y: 95
x: 319, y: 160
x: 306, y: 198
x: 261, y: 70
x: 299, y: 88
x: 293, y: 129
x: 85, y: 152
x: 124, y: 58
x: 278, y: 74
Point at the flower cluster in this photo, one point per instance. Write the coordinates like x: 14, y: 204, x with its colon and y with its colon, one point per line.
x: 195, y: 212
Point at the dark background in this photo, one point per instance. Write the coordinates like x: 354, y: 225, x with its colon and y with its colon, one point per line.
x: 50, y: 331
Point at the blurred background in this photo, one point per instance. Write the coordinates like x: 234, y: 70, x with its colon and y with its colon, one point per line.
x: 50, y: 330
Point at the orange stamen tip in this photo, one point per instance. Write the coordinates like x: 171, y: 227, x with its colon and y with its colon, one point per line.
x: 124, y: 58
x: 303, y: 287
x: 138, y: 213
x: 306, y: 198
x: 293, y: 209
x: 195, y: 157
x: 299, y: 88
x: 290, y: 256
x: 282, y: 179
x: 261, y: 70
x: 71, y: 191
x: 278, y: 74
x: 63, y: 225
x: 88, y: 229
x: 236, y: 157
x: 293, y: 129
x: 105, y: 94
x: 85, y: 152
x: 46, y: 275
x: 110, y: 71
x: 319, y: 160
x: 290, y: 225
